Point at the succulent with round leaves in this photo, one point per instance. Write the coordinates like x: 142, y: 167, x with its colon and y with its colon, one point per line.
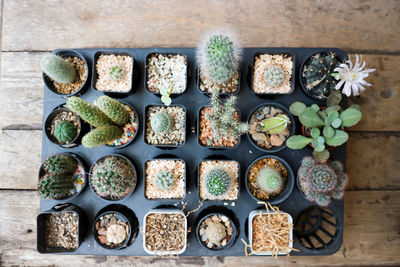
x: 274, y: 76
x: 219, y: 55
x: 101, y: 136
x: 276, y: 124
x: 65, y: 132
x: 217, y: 181
x: 326, y: 125
x: 165, y: 180
x: 116, y: 72
x: 166, y: 92
x: 114, y: 109
x: 60, y: 164
x: 322, y: 182
x: 56, y: 186
x: 317, y: 74
x: 269, y: 180
x: 88, y: 112
x: 58, y: 69
x: 161, y: 122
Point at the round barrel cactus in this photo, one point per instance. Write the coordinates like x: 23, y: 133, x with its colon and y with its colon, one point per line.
x: 161, y: 122
x: 269, y: 180
x: 217, y: 181
x: 165, y: 180
x: 65, y: 132
x: 116, y: 72
x: 58, y: 69
x: 274, y: 76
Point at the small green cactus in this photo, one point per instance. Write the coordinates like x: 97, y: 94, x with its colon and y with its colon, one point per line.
x: 116, y: 72
x: 101, y: 136
x: 217, y: 181
x: 88, y: 112
x: 274, y: 76
x: 60, y: 164
x: 65, y: 132
x: 58, y: 69
x: 269, y: 180
x: 114, y: 109
x: 56, y: 186
x: 161, y: 122
x: 165, y: 180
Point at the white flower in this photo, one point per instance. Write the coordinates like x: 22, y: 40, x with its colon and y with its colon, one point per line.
x: 352, y: 76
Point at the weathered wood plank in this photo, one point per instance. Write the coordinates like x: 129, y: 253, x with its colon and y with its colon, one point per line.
x: 54, y: 24
x: 371, y: 237
x: 372, y: 160
x: 21, y: 93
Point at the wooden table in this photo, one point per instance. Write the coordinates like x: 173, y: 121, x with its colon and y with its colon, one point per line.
x: 31, y: 28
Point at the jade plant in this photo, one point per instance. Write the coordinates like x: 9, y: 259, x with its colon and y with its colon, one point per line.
x: 269, y: 180
x: 58, y: 69
x: 114, y: 109
x: 165, y: 180
x: 65, y: 131
x: 326, y: 126
x: 322, y: 182
x: 116, y: 72
x: 60, y: 164
x: 217, y: 181
x: 161, y: 122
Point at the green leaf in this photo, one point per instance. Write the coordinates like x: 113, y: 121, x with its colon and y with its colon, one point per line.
x: 350, y: 117
x: 164, y: 90
x: 297, y: 108
x: 358, y: 107
x: 336, y: 123
x: 339, y: 138
x: 297, y: 141
x: 334, y: 98
x: 321, y: 114
x: 166, y: 100
x: 320, y: 140
x: 314, y: 143
x: 275, y: 125
x: 319, y: 147
x: 328, y: 131
x: 333, y: 115
x: 310, y: 118
x: 332, y: 108
x: 322, y: 156
x: 315, y: 132
x: 315, y: 107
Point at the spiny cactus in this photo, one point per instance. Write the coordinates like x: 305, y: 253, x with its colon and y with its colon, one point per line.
x: 276, y: 124
x: 114, y: 109
x: 274, y: 76
x: 56, y: 186
x: 317, y: 74
x: 88, y: 112
x: 113, y: 177
x: 165, y: 180
x: 58, y: 69
x: 217, y: 181
x: 269, y: 180
x: 65, y: 131
x: 60, y: 164
x: 219, y: 56
x: 161, y: 122
x: 320, y: 182
x: 116, y: 72
x: 222, y: 120
x: 101, y: 136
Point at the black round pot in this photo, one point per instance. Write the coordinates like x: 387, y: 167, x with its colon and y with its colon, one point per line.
x: 47, y: 125
x: 81, y: 162
x: 292, y: 126
x: 188, y: 78
x: 135, y: 74
x: 124, y: 214
x: 64, y: 54
x: 224, y: 94
x: 134, y: 171
x: 60, y: 208
x: 288, y: 187
x: 146, y: 122
x: 250, y: 76
x: 213, y: 147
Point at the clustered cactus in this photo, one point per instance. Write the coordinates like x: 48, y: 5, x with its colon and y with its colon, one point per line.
x: 165, y: 180
x: 276, y: 124
x: 274, y: 76
x: 88, y: 112
x: 219, y: 56
x: 222, y: 119
x: 58, y: 69
x: 113, y: 109
x: 113, y: 177
x: 60, y: 164
x: 65, y: 132
x: 326, y: 126
x: 161, y: 122
x: 217, y: 181
x: 116, y: 72
x: 317, y: 74
x: 321, y: 182
x: 269, y: 180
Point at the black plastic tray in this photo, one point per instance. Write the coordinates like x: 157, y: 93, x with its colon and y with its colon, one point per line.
x: 193, y: 153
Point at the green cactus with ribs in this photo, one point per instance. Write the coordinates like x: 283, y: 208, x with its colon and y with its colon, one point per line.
x: 58, y: 69
x: 269, y: 180
x: 217, y: 181
x: 161, y: 122
x: 65, y: 132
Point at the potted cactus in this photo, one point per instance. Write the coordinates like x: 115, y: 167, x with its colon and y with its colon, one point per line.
x: 323, y: 127
x: 219, y: 125
x: 218, y: 180
x: 218, y: 57
x: 64, y: 73
x: 61, y: 176
x: 113, y: 177
x: 165, y: 126
x: 321, y: 182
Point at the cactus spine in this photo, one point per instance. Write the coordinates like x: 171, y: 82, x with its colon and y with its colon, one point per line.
x: 217, y: 181
x: 114, y: 109
x: 58, y: 69
x: 56, y: 186
x: 65, y: 132
x: 101, y: 136
x: 165, y: 180
x: 161, y: 122
x: 60, y: 164
x: 269, y: 180
x: 88, y: 112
